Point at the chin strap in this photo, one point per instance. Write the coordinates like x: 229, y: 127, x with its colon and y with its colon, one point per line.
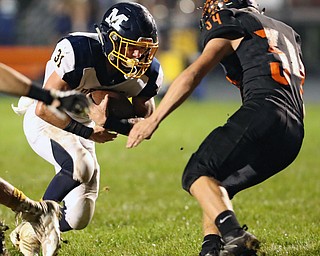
x: 102, y: 39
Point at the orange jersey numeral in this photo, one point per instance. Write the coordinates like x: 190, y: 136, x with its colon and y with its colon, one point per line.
x: 215, y: 18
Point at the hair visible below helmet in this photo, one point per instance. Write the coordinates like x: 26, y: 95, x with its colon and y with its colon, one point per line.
x: 212, y: 6
x: 125, y: 26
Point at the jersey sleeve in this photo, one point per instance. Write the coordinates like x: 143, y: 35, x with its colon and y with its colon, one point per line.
x: 222, y: 24
x: 63, y: 58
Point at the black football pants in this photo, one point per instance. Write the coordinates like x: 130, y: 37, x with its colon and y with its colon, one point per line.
x: 258, y: 141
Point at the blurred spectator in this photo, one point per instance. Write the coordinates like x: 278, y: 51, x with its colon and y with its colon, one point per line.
x: 177, y: 21
x: 62, y: 18
x: 8, y: 13
x: 79, y: 13
x: 74, y: 15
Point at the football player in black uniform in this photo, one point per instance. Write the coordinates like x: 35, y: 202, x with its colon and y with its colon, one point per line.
x: 262, y: 57
x: 120, y: 58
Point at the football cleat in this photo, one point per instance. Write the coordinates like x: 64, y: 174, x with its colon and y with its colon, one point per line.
x: 211, y: 246
x: 49, y: 230
x: 211, y: 253
x: 243, y: 244
x: 24, y: 238
x: 42, y: 224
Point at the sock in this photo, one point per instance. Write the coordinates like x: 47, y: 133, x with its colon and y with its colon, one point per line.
x: 64, y: 225
x: 227, y: 222
x: 60, y: 186
x: 63, y: 182
x: 210, y: 243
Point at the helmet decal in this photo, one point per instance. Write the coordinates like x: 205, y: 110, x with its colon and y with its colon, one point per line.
x: 114, y: 20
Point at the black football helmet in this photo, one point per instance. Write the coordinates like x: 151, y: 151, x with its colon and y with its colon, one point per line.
x: 128, y: 25
x: 212, y: 6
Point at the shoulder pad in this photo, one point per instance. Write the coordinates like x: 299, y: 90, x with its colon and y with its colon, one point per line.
x: 63, y: 57
x: 222, y: 24
x: 155, y: 75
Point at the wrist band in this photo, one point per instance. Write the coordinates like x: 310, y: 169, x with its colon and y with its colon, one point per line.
x: 79, y: 129
x: 38, y: 93
x: 121, y: 126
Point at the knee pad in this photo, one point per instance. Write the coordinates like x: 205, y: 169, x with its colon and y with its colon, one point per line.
x: 84, y: 166
x: 80, y: 215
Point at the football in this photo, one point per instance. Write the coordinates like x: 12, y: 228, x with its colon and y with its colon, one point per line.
x: 118, y: 104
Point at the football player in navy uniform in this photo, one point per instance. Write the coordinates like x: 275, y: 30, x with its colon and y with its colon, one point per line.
x: 120, y: 58
x: 43, y: 215
x: 262, y: 57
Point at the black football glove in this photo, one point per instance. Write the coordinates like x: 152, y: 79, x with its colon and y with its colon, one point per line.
x: 71, y: 101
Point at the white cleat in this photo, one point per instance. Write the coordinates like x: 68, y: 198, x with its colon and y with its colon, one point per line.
x: 41, y: 221
x: 50, y: 239
x: 25, y: 239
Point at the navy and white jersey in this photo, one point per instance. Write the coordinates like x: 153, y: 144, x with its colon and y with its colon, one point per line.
x: 78, y: 59
x: 268, y: 61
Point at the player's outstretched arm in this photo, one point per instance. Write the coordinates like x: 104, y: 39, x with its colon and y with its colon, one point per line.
x: 14, y: 83
x: 70, y: 101
x: 181, y: 88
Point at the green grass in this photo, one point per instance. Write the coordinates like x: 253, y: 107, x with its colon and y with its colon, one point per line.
x: 142, y: 209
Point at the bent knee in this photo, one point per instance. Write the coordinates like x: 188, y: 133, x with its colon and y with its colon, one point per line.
x: 80, y: 218
x: 84, y: 167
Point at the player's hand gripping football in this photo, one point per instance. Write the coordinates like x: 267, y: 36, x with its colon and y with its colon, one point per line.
x: 98, y: 112
x: 70, y: 101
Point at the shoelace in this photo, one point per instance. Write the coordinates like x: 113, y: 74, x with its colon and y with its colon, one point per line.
x: 245, y: 227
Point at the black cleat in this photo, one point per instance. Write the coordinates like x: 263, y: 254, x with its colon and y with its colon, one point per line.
x: 243, y: 244
x: 211, y: 246
x: 211, y: 253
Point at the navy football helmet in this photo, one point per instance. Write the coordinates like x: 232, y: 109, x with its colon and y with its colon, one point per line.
x: 127, y: 26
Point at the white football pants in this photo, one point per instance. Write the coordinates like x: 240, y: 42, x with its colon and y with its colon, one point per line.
x: 80, y: 202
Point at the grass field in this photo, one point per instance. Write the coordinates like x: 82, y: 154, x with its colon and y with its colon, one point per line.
x: 142, y: 209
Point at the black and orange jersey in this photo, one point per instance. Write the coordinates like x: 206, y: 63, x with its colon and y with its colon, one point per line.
x: 267, y: 63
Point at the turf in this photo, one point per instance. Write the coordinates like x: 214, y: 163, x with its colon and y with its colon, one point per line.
x: 142, y: 209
